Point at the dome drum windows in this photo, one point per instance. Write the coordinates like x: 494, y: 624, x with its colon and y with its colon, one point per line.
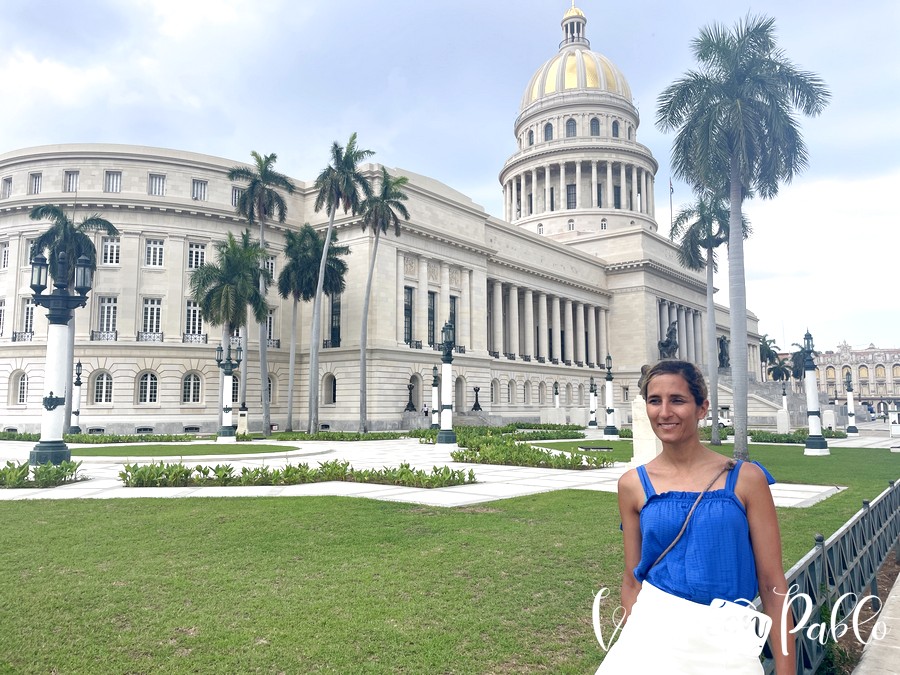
x: 595, y: 126
x: 531, y: 137
x: 548, y: 131
x: 615, y: 129
x: 571, y: 128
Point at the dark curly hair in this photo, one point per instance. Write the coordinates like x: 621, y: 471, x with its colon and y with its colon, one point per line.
x: 691, y: 374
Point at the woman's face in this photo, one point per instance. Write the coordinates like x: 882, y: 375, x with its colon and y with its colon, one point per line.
x: 672, y: 410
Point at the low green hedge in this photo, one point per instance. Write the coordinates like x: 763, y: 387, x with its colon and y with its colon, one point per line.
x: 43, y: 476
x: 506, y: 450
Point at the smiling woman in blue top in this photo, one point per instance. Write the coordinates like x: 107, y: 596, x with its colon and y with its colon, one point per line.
x: 721, y: 516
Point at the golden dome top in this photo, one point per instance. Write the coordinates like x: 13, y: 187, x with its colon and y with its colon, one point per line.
x: 572, y: 11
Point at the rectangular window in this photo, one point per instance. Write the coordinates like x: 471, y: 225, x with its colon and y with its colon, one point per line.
x: 552, y: 199
x: 28, y: 315
x: 112, y: 181
x: 236, y: 193
x: 270, y: 325
x: 154, y: 253
x: 599, y: 195
x: 336, y: 321
x: 196, y: 255
x: 193, y: 320
x: 407, y: 314
x: 617, y: 197
x: 157, y: 186
x: 110, y: 251
x: 432, y: 298
x: 453, y: 299
x: 6, y: 188
x: 108, y: 312
x: 70, y: 181
x: 2, y: 316
x: 34, y: 183
x: 570, y: 197
x: 198, y: 190
x: 4, y: 255
x: 270, y: 265
x: 152, y: 315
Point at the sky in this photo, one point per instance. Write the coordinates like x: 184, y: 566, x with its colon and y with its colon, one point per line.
x: 434, y: 87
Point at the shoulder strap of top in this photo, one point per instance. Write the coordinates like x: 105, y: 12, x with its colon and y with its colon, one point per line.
x: 731, y: 481
x: 645, y: 481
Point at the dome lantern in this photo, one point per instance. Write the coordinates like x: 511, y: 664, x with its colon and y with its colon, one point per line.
x: 573, y: 24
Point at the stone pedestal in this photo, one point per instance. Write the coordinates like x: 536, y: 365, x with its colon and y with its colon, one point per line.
x: 828, y: 420
x: 783, y: 421
x: 646, y: 445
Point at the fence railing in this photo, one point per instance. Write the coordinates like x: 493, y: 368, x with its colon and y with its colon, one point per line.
x: 846, y: 562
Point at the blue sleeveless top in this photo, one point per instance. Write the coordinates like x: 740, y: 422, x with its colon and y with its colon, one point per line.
x: 713, y: 559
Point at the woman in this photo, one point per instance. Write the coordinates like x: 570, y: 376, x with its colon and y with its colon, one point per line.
x: 729, y: 549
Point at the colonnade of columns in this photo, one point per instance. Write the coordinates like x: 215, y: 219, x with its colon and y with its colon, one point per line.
x: 437, y: 277
x: 544, y: 188
x: 533, y: 325
x: 689, y: 324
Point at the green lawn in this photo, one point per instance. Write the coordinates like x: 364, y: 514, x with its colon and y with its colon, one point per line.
x: 178, y: 450
x: 326, y: 584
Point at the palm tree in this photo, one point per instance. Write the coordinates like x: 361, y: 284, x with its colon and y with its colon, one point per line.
x: 298, y: 280
x: 258, y: 201
x: 768, y: 352
x: 780, y: 370
x: 737, y: 129
x: 74, y: 240
x: 379, y: 212
x: 224, y: 289
x: 701, y: 227
x: 339, y: 186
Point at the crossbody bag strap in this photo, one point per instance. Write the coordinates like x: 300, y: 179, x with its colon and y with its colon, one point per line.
x: 728, y: 466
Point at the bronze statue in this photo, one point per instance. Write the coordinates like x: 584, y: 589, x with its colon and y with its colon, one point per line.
x: 724, y: 359
x: 668, y: 348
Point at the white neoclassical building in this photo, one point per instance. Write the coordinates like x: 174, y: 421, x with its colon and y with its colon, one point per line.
x: 576, y: 270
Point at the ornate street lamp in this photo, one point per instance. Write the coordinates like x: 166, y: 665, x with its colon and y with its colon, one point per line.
x: 815, y: 442
x: 592, y: 424
x: 477, y: 406
x: 783, y: 395
x: 435, y: 413
x: 228, y: 366
x: 76, y: 399
x: 556, y: 394
x: 60, y: 304
x: 446, y: 434
x: 410, y: 406
x: 851, y: 412
x: 610, y: 428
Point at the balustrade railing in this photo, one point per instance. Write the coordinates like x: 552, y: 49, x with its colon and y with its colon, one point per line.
x: 104, y: 335
x: 149, y: 336
x: 275, y: 343
x: 23, y: 336
x: 194, y: 338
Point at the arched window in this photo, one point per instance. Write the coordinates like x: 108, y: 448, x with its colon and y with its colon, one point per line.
x: 236, y: 389
x: 829, y: 373
x: 570, y: 226
x: 542, y: 393
x: 329, y: 389
x: 459, y: 394
x: 896, y: 371
x: 540, y: 228
x: 879, y: 372
x: 548, y: 132
x: 568, y: 394
x: 22, y: 389
x: 531, y: 137
x: 863, y: 373
x: 603, y: 224
x: 570, y: 128
x: 580, y: 394
x: 615, y: 129
x: 595, y: 126
x: 190, y: 388
x: 495, y: 391
x: 630, y: 133
x: 148, y: 388
x: 270, y: 392
x: 527, y: 399
x: 103, y: 385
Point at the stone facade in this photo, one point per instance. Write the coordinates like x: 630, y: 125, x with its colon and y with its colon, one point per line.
x: 578, y: 270
x: 875, y: 374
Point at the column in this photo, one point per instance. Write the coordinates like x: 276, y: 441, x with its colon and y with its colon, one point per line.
x: 506, y: 202
x: 513, y: 320
x: 578, y: 184
x: 663, y: 319
x: 421, y: 313
x: 609, y: 188
x: 594, y: 184
x: 570, y: 332
x: 498, y: 317
x: 592, y: 334
x: 442, y: 312
x: 652, y: 196
x: 401, y: 295
x: 561, y: 198
x: 604, y: 335
x: 698, y: 338
x: 464, y: 310
x: 579, y: 332
x: 543, y: 327
x: 645, y: 195
x: 534, y: 193
x: 623, y: 194
x: 557, y: 334
x: 478, y: 298
x: 546, y: 188
x: 682, y: 342
x: 634, y: 186
x: 528, y: 325
x: 689, y: 335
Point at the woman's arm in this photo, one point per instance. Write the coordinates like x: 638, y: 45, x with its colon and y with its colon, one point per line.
x: 765, y: 537
x: 631, y: 498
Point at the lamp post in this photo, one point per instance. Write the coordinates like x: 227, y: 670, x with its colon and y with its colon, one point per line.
x: 435, y: 414
x: 556, y: 394
x: 410, y: 407
x: 851, y: 412
x: 228, y: 365
x: 610, y: 428
x: 60, y: 304
x: 783, y: 396
x: 76, y: 400
x: 477, y: 405
x: 593, y: 421
x: 446, y: 434
x: 815, y: 442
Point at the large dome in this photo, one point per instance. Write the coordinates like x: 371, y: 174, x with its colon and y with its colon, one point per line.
x: 575, y: 68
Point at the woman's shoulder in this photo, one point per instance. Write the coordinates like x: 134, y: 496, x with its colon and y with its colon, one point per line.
x: 752, y: 483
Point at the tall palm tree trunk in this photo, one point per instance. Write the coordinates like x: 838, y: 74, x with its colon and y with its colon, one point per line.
x: 263, y: 336
x: 292, y: 361
x: 364, y: 338
x: 737, y: 300
x: 316, y: 331
x: 711, y: 352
